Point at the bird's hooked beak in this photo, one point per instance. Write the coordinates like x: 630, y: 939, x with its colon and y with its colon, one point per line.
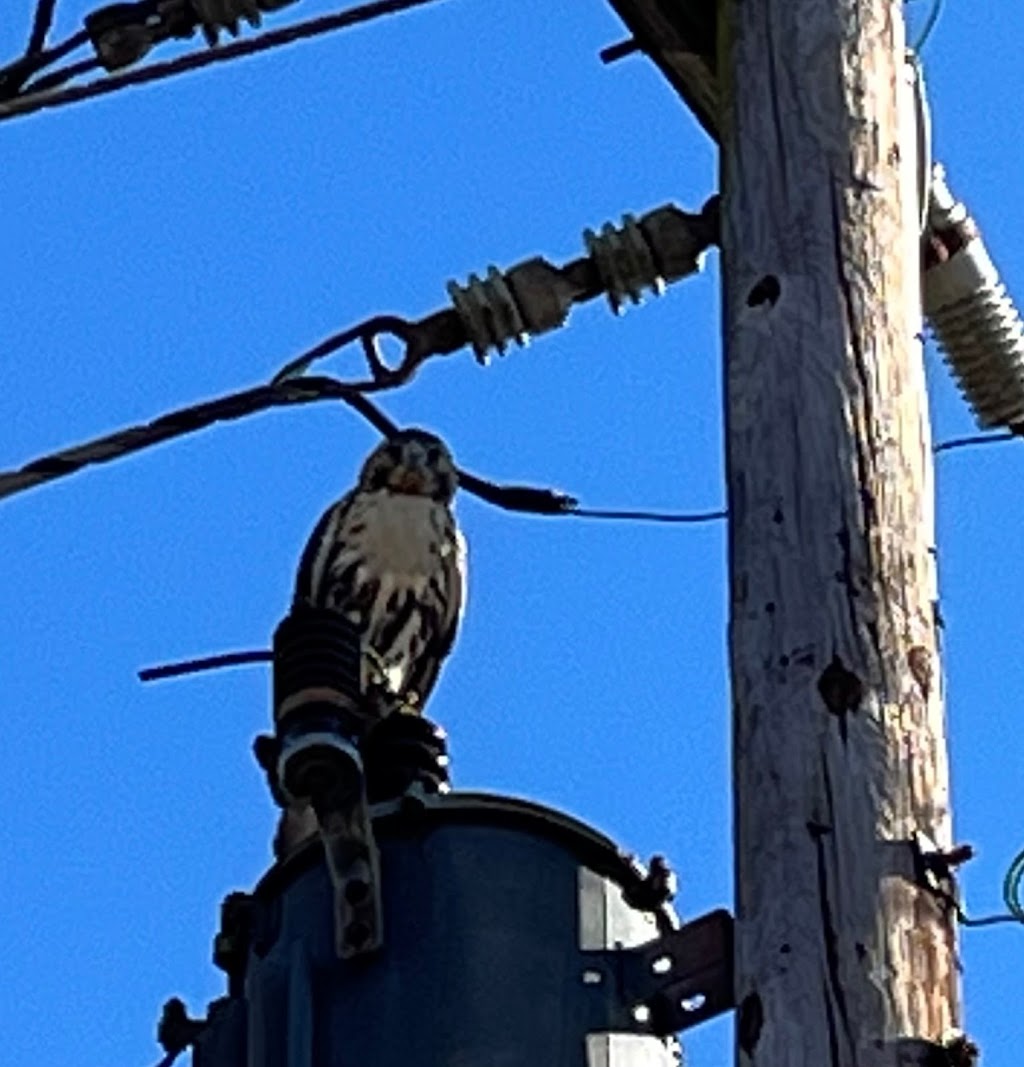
x: 410, y: 476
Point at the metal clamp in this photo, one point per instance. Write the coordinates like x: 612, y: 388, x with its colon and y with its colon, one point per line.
x: 934, y: 868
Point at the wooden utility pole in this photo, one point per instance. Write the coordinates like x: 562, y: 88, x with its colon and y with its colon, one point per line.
x: 845, y: 944
x: 843, y: 956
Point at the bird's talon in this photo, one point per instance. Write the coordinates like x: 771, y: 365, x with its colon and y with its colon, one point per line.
x: 377, y: 674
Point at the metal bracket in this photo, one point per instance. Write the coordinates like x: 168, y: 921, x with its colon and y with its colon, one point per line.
x: 232, y: 941
x: 935, y: 868
x: 217, y: 1038
x: 177, y: 1030
x: 682, y: 978
x: 353, y: 861
x: 956, y: 1050
x: 657, y: 887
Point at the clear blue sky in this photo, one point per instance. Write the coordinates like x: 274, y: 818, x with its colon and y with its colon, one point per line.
x: 171, y: 243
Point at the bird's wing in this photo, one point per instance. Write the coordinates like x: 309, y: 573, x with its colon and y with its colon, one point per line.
x: 441, y: 615
x: 314, y: 564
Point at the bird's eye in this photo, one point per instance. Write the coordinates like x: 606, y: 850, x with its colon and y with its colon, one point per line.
x: 394, y: 453
x: 433, y: 455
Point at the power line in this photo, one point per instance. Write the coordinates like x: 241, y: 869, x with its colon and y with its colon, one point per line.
x: 974, y: 440
x: 31, y: 102
x: 14, y: 75
x: 289, y: 393
x: 189, y: 420
x: 926, y: 32
x: 438, y: 335
x: 206, y: 663
x: 1013, y: 898
x: 62, y: 75
x: 41, y: 26
x: 692, y: 518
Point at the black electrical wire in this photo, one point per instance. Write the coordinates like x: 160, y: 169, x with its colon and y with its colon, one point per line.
x: 206, y: 663
x: 974, y: 440
x: 41, y: 25
x: 62, y: 74
x: 1013, y: 898
x: 305, y: 390
x: 189, y: 420
x: 691, y: 518
x: 32, y: 102
x: 286, y: 392
x: 986, y: 920
x: 14, y: 76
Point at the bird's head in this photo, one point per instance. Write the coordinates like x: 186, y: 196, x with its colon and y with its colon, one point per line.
x: 414, y: 462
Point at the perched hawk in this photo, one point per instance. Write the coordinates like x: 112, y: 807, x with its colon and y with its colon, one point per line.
x: 390, y: 557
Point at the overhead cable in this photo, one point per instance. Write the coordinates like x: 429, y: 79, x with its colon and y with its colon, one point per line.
x: 30, y: 102
x: 41, y: 26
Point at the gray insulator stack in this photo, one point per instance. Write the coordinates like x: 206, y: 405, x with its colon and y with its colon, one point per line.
x: 975, y: 322
x: 623, y: 262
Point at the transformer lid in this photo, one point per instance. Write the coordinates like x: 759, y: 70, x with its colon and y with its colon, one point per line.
x: 418, y: 816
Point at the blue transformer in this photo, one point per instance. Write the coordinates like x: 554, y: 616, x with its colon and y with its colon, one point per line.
x: 513, y: 936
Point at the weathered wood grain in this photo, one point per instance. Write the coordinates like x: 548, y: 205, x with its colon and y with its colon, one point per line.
x: 839, y: 742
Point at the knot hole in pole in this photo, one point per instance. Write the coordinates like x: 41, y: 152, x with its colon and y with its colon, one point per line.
x: 766, y: 291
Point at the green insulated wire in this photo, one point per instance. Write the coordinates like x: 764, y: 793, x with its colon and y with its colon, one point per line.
x: 933, y: 17
x: 1012, y: 885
